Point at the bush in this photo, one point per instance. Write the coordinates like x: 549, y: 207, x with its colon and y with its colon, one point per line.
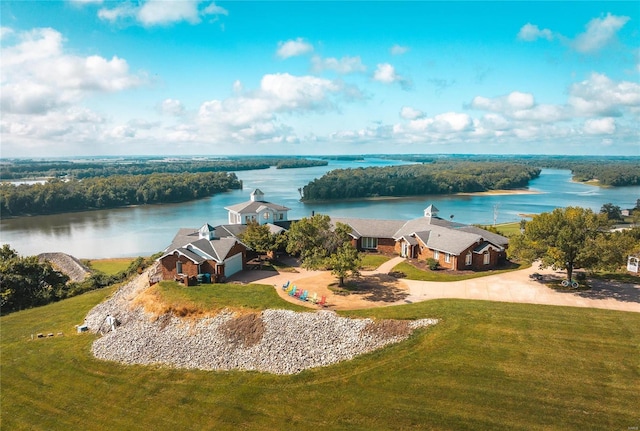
x: 433, y: 264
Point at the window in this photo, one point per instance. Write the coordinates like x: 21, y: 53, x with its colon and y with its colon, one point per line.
x: 369, y: 243
x: 266, y: 216
x: 447, y: 257
x: 246, y: 219
x: 436, y: 254
x: 468, y: 259
x: 487, y: 258
x: 179, y: 267
x: 281, y: 216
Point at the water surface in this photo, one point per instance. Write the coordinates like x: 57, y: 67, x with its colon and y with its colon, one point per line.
x: 144, y: 230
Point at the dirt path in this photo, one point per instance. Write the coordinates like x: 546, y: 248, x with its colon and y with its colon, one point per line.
x: 377, y: 289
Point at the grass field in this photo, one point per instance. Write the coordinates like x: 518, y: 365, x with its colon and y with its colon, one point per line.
x: 372, y: 261
x: 218, y: 296
x: 485, y: 366
x: 111, y: 266
x: 413, y: 273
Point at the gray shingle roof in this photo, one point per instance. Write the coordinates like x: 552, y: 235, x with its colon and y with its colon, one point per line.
x: 252, y: 207
x: 370, y: 227
x: 189, y: 243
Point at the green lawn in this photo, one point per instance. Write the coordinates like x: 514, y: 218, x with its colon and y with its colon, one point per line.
x: 111, y: 266
x: 372, y: 261
x: 485, y: 366
x: 413, y: 273
x: 219, y: 296
x: 508, y: 229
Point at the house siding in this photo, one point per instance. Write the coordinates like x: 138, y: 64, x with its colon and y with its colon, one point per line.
x: 386, y: 245
x: 169, y: 271
x: 190, y: 269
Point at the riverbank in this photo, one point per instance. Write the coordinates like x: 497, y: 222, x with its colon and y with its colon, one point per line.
x: 501, y: 192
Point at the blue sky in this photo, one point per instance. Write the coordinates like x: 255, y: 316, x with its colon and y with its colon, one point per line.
x: 193, y: 77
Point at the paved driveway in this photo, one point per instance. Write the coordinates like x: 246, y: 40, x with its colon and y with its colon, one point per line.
x: 513, y: 286
x: 516, y: 286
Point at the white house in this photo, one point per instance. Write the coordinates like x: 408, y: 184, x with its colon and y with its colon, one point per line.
x: 256, y: 210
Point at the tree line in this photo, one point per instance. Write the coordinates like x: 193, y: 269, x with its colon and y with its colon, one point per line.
x: 27, y: 282
x: 56, y: 196
x: 439, y: 177
x: 299, y: 163
x: 21, y: 169
x: 613, y: 171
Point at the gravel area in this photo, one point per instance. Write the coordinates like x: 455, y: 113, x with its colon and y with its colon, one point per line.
x: 66, y: 264
x: 274, y: 341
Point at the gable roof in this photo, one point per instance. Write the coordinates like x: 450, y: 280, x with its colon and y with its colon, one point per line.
x: 251, y: 207
x: 188, y: 243
x: 448, y: 240
x: 370, y: 227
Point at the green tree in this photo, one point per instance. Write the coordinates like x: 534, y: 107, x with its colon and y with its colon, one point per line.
x: 260, y: 238
x: 345, y: 261
x: 612, y: 211
x: 314, y: 239
x: 25, y: 282
x: 559, y: 238
x: 609, y: 250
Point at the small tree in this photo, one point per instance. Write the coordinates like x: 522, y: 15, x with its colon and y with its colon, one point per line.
x: 315, y: 239
x: 559, y: 238
x: 258, y: 237
x: 26, y: 282
x: 613, y: 212
x: 346, y: 260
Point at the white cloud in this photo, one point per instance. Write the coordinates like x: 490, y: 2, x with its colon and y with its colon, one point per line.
x: 600, y: 95
x: 600, y: 126
x: 293, y: 48
x: 162, y: 12
x: 256, y: 116
x: 452, y: 122
x: 398, y: 49
x: 37, y: 76
x: 344, y: 65
x: 121, y: 132
x: 172, y: 107
x: 599, y: 33
x: 409, y: 113
x: 122, y: 11
x: 530, y: 32
x: 386, y: 73
x: 5, y: 31
x: 509, y: 103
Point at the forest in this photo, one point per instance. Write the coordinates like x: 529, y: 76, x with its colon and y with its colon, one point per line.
x: 611, y: 171
x: 439, y: 177
x: 27, y: 168
x: 56, y: 196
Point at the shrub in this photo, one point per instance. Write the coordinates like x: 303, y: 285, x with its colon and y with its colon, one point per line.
x: 433, y: 264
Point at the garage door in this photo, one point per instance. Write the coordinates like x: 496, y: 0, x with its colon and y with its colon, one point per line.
x: 233, y: 265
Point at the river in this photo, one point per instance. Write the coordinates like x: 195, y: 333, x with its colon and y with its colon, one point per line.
x: 144, y: 230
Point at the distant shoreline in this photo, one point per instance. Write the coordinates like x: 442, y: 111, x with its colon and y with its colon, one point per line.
x: 500, y: 192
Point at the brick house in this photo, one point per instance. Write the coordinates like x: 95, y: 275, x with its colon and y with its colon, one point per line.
x: 454, y: 245
x: 199, y: 252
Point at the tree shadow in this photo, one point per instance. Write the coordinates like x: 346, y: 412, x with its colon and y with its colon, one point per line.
x: 377, y: 288
x: 605, y: 289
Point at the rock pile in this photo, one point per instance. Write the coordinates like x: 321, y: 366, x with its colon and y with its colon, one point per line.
x: 275, y: 341
x: 66, y: 264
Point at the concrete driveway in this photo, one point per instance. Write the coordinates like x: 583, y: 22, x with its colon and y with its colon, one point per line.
x: 516, y: 286
x: 513, y: 286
